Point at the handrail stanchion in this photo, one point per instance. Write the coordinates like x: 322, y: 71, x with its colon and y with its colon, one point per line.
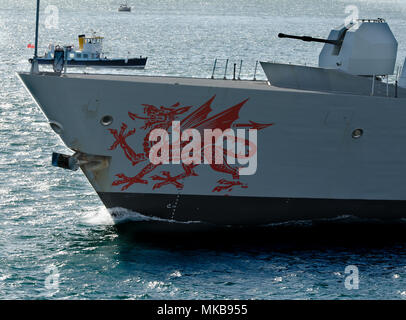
x: 234, y: 71
x: 387, y: 85
x: 373, y: 85
x: 239, y: 72
x: 225, y: 70
x: 255, y: 71
x: 214, y: 68
x: 396, y: 88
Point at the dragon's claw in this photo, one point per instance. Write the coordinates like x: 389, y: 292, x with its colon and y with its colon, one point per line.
x: 168, y: 179
x: 128, y: 181
x: 226, y: 185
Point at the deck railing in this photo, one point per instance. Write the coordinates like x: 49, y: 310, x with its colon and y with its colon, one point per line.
x: 223, y: 65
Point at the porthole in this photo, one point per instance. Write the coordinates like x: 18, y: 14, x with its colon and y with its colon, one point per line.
x: 357, y: 133
x: 106, y: 120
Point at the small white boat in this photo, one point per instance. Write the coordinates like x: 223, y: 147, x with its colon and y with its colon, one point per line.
x: 124, y: 8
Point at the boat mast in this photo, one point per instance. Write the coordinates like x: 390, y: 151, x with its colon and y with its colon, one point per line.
x: 34, y: 64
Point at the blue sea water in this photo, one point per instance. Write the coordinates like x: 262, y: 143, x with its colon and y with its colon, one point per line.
x: 52, y: 224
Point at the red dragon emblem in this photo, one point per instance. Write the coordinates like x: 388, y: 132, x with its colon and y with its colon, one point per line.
x: 161, y: 118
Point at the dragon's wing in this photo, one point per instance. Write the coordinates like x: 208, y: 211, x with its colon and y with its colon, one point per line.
x: 197, y: 116
x: 222, y: 120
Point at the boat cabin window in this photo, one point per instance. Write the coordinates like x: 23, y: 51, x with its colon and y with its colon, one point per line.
x: 78, y: 55
x: 85, y: 55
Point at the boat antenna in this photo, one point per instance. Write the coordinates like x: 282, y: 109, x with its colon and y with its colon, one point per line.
x: 34, y: 64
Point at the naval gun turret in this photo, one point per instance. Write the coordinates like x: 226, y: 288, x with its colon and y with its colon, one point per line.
x: 366, y: 47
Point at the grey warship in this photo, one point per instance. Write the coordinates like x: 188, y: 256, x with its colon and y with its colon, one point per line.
x: 329, y: 138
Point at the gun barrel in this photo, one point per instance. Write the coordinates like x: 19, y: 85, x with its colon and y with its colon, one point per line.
x: 310, y: 39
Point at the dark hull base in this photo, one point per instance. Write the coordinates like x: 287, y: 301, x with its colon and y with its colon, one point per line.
x: 249, y: 211
x: 315, y: 235
x: 110, y: 63
x: 231, y: 221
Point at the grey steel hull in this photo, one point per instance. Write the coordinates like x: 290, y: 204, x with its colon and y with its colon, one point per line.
x: 309, y: 165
